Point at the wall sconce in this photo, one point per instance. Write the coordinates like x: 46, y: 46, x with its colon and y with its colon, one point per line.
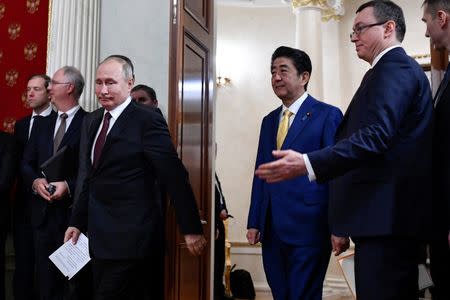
x: 222, y: 81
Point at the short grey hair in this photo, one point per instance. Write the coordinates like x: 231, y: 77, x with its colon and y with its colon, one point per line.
x: 73, y: 75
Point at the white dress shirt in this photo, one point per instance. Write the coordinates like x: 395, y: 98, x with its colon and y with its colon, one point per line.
x: 45, y: 113
x: 70, y: 114
x: 115, y: 114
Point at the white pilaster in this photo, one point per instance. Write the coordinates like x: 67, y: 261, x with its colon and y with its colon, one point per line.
x: 308, y: 37
x: 74, y: 40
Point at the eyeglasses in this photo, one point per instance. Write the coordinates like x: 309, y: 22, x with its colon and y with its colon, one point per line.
x: 359, y: 29
x: 56, y: 82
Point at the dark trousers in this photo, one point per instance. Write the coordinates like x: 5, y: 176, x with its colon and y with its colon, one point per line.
x: 294, y: 272
x: 80, y: 286
x: 386, y: 268
x: 219, y: 262
x: 23, y: 280
x: 122, y: 279
x: 440, y: 268
x: 3, y: 233
x: 50, y: 281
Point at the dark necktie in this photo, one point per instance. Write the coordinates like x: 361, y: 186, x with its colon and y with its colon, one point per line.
x: 60, y: 133
x: 36, y: 118
x: 442, y: 86
x: 101, y: 139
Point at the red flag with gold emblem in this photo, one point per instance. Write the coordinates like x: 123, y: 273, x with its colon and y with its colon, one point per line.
x: 23, y: 52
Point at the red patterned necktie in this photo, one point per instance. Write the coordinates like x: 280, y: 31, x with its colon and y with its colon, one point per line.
x: 101, y: 139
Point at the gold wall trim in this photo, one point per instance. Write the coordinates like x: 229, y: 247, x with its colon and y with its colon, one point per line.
x: 329, y: 12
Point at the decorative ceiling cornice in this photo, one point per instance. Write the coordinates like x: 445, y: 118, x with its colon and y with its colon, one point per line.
x: 331, y: 9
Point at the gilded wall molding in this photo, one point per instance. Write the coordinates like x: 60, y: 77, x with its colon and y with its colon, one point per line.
x: 330, y: 9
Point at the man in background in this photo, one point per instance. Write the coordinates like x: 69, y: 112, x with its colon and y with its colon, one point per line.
x: 51, y: 209
x: 436, y: 15
x: 381, y: 162
x: 221, y: 214
x: 290, y: 218
x: 145, y: 95
x: 8, y: 168
x: 39, y: 101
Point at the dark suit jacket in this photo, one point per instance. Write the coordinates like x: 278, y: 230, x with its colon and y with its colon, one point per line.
x: 218, y: 206
x: 8, y: 168
x: 298, y: 207
x: 23, y: 192
x: 38, y: 150
x: 382, y: 158
x: 117, y: 203
x: 441, y: 161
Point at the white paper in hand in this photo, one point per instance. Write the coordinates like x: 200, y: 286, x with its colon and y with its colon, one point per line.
x: 69, y: 258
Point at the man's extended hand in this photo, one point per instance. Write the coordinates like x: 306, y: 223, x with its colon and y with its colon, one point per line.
x: 223, y: 215
x: 253, y: 236
x: 195, y: 243
x: 72, y: 233
x: 339, y: 244
x: 290, y: 164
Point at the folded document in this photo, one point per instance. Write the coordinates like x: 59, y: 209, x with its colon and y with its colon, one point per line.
x: 69, y: 258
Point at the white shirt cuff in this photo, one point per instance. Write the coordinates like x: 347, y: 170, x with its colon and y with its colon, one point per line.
x: 309, y: 168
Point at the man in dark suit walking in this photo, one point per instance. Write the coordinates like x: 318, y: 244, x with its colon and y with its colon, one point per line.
x: 50, y: 210
x: 290, y: 218
x: 129, y: 146
x: 8, y: 168
x: 23, y: 280
x: 381, y: 162
x: 437, y: 19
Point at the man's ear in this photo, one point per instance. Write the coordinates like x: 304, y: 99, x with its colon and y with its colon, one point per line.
x: 389, y: 28
x: 442, y: 18
x: 70, y: 88
x: 304, y: 77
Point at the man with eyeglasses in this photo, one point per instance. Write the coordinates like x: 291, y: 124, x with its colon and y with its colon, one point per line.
x: 39, y: 101
x: 50, y: 209
x: 380, y: 166
x: 436, y: 16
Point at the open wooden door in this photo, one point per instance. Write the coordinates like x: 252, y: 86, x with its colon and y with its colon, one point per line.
x: 439, y: 62
x: 190, y: 122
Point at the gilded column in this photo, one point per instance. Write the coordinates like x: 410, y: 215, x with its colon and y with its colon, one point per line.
x: 308, y: 37
x: 73, y: 40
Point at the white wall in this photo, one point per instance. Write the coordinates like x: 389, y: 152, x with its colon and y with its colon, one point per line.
x: 246, y: 40
x: 139, y: 29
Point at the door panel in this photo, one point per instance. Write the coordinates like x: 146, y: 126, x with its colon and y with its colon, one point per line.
x: 190, y: 122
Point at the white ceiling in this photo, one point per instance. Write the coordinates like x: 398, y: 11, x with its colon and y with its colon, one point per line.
x: 254, y: 3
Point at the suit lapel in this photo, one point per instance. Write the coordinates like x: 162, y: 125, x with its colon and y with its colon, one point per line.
x: 274, y: 128
x: 119, y: 125
x: 442, y: 87
x: 356, y: 97
x: 50, y: 132
x: 74, y: 126
x: 304, y: 114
